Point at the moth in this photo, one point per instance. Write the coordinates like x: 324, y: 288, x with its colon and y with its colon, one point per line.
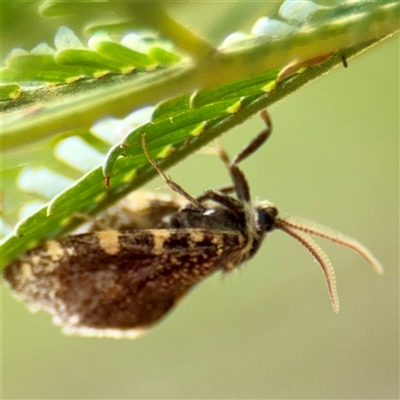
x: 139, y: 258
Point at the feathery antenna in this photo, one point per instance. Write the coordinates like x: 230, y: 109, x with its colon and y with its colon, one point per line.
x: 300, y: 229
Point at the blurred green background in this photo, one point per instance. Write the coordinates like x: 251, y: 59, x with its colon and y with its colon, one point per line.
x: 266, y: 330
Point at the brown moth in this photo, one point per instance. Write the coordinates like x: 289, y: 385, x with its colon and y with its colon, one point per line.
x: 143, y: 255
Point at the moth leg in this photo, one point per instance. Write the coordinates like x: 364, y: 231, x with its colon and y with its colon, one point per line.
x: 220, y: 196
x: 225, y: 200
x: 239, y: 180
x: 173, y: 185
x: 257, y: 141
x: 223, y: 189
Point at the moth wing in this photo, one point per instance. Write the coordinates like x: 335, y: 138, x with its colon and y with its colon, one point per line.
x: 138, y: 210
x: 118, y: 282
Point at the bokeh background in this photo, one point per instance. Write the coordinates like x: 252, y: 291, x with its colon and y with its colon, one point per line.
x: 266, y: 330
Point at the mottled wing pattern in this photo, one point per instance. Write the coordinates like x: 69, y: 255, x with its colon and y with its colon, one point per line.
x: 119, y: 279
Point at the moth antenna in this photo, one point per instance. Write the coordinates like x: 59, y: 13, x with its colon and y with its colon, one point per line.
x: 319, y: 255
x: 336, y: 237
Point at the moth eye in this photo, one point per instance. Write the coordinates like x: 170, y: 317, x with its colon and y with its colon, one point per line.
x: 266, y: 218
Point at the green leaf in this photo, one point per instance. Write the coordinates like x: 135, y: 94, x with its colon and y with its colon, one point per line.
x: 127, y: 58
x: 10, y: 92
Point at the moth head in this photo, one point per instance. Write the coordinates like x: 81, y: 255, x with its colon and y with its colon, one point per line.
x: 266, y: 216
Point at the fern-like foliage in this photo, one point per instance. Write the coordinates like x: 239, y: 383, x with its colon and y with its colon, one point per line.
x: 57, y: 144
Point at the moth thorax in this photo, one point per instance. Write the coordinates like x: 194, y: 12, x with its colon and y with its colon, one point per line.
x: 266, y: 215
